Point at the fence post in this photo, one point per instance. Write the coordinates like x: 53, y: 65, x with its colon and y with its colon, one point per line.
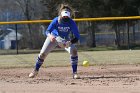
x: 128, y: 38
x: 16, y: 39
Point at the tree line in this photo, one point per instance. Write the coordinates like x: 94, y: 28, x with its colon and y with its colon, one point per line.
x: 95, y: 8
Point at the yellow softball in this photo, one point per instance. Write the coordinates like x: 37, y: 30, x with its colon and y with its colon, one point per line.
x: 85, y: 63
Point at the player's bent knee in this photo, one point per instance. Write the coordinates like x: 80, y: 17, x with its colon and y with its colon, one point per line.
x: 42, y: 55
x: 74, y: 52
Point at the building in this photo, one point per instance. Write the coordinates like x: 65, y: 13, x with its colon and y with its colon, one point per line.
x: 8, y: 39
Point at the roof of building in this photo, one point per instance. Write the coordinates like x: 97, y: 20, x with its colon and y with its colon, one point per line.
x: 4, y: 33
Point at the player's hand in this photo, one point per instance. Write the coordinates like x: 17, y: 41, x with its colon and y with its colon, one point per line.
x: 67, y: 44
x: 62, y: 42
x: 52, y: 38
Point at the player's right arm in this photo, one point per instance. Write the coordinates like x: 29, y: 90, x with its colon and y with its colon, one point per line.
x: 50, y: 28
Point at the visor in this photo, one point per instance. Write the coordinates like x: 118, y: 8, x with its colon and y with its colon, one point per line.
x: 65, y: 13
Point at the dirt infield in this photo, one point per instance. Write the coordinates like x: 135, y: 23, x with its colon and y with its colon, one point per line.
x: 94, y: 79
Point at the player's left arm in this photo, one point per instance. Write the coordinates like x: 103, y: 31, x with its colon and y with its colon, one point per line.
x: 76, y: 33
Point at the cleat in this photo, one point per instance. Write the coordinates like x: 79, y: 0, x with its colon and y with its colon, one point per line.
x: 75, y: 76
x: 33, y: 74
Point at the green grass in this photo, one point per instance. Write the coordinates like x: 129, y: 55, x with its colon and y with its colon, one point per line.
x: 62, y: 58
x: 101, y: 48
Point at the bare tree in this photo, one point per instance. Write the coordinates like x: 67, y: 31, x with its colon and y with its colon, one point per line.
x: 32, y: 10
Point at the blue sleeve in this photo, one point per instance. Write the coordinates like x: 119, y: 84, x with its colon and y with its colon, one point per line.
x: 52, y: 26
x: 75, y: 30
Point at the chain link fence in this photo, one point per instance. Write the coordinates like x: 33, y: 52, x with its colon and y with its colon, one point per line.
x: 29, y: 38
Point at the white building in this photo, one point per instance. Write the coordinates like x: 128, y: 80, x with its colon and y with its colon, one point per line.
x: 8, y: 39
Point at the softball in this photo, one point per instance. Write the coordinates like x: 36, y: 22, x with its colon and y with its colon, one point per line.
x: 85, y: 63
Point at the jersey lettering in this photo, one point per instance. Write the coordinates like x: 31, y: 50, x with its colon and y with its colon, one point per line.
x: 63, y: 29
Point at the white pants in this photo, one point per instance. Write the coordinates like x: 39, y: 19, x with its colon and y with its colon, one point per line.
x: 49, y: 46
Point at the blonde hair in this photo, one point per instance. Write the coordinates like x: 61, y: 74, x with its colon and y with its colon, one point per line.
x: 66, y: 7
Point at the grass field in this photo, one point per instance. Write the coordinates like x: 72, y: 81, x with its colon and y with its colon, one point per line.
x: 62, y: 58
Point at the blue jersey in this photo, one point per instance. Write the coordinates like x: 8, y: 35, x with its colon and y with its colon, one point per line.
x: 63, y: 29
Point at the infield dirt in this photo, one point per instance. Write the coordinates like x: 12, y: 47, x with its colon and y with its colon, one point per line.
x: 94, y: 79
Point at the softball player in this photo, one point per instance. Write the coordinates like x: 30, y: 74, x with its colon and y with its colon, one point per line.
x: 58, y: 34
